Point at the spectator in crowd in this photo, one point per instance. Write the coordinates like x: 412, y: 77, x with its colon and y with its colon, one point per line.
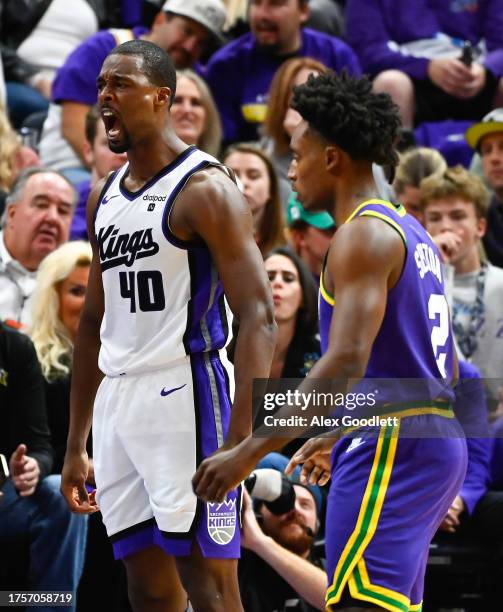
x: 183, y: 28
x: 37, y: 37
x: 32, y: 508
x: 310, y: 234
x: 456, y: 203
x: 194, y: 115
x: 415, y: 165
x: 101, y: 160
x: 57, y: 304
x: 418, y: 58
x: 240, y: 74
x: 260, y: 185
x: 36, y: 221
x: 486, y: 137
x: 281, y: 120
x: 279, y: 569
x: 295, y: 299
x: 296, y: 313
x: 14, y: 156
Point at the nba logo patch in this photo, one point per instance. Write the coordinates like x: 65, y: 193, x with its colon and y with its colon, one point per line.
x: 222, y: 521
x: 151, y: 206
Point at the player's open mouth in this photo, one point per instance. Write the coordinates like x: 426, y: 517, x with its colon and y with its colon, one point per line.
x: 111, y: 121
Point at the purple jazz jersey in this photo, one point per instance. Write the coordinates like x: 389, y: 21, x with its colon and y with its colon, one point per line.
x: 389, y: 494
x: 216, y: 527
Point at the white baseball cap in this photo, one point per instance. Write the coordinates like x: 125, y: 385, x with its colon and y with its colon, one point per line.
x: 209, y: 13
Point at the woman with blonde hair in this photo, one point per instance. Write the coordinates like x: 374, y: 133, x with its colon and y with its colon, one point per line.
x: 194, y: 113
x: 414, y: 166
x: 260, y: 186
x: 58, y: 300
x: 14, y: 156
x: 57, y: 304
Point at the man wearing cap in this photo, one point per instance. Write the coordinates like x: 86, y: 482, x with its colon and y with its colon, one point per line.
x: 279, y: 569
x: 486, y: 137
x: 183, y: 28
x: 310, y: 234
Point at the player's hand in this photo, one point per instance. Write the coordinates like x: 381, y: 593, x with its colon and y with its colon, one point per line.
x: 90, y: 474
x: 73, y: 478
x: 448, y: 243
x: 25, y: 471
x: 222, y: 471
x: 314, y: 456
x: 451, y: 521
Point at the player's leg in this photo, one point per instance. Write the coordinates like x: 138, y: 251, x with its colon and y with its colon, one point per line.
x: 153, y: 582
x: 212, y: 584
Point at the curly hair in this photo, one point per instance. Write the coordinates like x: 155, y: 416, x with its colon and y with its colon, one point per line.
x: 344, y: 110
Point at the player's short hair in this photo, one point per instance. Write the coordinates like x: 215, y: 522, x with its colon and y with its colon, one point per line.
x: 156, y: 63
x: 456, y: 182
x: 343, y: 110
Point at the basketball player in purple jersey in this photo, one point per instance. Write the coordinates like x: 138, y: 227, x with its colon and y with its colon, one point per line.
x: 383, y: 314
x: 170, y: 233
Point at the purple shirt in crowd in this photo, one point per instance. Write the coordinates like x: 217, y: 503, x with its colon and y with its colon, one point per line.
x: 240, y: 75
x: 372, y: 24
x: 78, y: 230
x: 76, y: 79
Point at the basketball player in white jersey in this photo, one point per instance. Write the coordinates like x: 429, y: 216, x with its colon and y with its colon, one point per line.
x: 171, y: 233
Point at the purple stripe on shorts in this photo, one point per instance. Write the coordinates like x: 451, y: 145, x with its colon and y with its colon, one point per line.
x: 151, y: 536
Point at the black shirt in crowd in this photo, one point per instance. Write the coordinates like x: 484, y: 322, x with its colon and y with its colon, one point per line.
x: 264, y: 590
x: 22, y: 400
x: 493, y: 238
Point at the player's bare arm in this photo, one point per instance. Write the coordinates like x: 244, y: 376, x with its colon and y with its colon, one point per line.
x: 212, y: 209
x: 86, y: 378
x: 365, y: 261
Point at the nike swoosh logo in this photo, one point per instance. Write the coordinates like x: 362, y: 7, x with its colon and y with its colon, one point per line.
x: 166, y: 392
x: 107, y: 200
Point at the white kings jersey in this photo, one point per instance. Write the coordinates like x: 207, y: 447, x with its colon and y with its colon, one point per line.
x: 163, y: 297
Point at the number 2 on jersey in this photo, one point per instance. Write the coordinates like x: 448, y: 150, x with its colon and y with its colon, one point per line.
x: 143, y: 288
x: 437, y: 307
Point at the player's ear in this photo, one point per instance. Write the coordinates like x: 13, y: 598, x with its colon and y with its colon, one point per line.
x: 163, y: 96
x: 332, y: 158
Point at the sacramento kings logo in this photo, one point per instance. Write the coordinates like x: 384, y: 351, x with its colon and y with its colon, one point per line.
x: 222, y: 521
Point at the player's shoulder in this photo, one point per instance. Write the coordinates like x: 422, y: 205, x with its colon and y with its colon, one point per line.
x: 212, y: 193
x: 367, y: 241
